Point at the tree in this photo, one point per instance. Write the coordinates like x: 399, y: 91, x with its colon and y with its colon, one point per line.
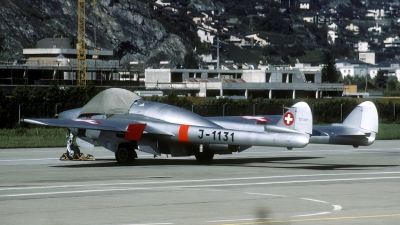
x: 392, y: 83
x: 329, y: 73
x: 189, y: 61
x: 380, y: 80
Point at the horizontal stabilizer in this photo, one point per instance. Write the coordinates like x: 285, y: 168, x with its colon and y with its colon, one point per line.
x: 358, y: 129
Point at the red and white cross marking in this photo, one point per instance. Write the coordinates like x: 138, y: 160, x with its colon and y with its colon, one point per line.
x: 87, y: 121
x: 288, y: 119
x: 258, y: 119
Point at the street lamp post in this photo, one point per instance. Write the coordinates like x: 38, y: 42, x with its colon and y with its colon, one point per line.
x: 341, y: 112
x: 254, y: 109
x: 223, y: 109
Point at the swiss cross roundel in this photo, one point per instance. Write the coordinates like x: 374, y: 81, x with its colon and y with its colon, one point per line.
x: 288, y: 119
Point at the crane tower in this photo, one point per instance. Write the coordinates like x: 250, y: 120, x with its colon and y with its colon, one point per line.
x: 81, y: 72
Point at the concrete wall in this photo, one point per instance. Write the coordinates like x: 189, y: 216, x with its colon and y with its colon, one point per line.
x: 157, y: 75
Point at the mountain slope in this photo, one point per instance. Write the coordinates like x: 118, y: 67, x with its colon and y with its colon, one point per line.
x: 125, y: 26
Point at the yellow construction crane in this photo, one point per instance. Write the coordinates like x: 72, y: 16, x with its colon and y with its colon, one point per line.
x: 81, y: 72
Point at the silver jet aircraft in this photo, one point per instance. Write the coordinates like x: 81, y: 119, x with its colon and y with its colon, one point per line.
x: 122, y: 122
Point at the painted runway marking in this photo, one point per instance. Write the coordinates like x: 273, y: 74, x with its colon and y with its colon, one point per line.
x: 315, y: 200
x: 327, y: 218
x: 21, y: 160
x: 237, y: 220
x: 313, y: 214
x: 197, y: 186
x: 337, y: 207
x: 224, y: 179
x: 150, y: 224
x: 265, y: 194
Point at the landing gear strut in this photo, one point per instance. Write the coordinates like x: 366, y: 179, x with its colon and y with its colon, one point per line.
x: 73, y: 151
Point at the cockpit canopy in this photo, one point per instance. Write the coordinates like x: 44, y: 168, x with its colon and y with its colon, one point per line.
x: 110, y: 101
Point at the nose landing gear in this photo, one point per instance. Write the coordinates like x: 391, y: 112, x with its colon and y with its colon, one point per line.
x: 73, y: 151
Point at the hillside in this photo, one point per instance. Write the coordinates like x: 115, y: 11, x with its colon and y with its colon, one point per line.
x: 138, y: 32
x: 127, y: 27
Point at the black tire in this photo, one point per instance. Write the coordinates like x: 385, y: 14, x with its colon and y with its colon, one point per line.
x: 125, y: 154
x: 204, y: 157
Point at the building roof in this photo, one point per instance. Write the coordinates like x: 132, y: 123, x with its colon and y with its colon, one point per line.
x: 350, y: 61
x: 388, y: 63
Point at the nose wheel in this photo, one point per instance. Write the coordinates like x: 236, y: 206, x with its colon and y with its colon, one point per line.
x: 73, y: 151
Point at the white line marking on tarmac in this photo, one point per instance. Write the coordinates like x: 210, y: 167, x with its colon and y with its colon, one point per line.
x: 21, y: 160
x: 150, y: 224
x: 197, y: 186
x: 237, y: 220
x: 314, y: 214
x: 315, y: 200
x: 337, y: 207
x: 265, y: 194
x: 222, y: 179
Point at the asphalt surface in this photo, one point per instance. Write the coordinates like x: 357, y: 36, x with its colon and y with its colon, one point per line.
x: 319, y: 184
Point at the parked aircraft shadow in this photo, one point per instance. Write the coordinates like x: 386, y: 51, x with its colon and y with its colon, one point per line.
x: 182, y: 162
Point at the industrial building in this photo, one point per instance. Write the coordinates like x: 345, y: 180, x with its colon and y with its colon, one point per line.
x: 268, y: 82
x: 54, y: 61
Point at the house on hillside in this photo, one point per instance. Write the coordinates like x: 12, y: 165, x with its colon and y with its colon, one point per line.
x: 375, y: 57
x: 332, y: 36
x: 333, y: 26
x: 304, y: 4
x: 257, y: 41
x: 351, y: 67
x: 389, y: 67
x: 164, y: 2
x: 392, y: 42
x: 309, y: 17
x: 197, y: 17
x: 355, y: 28
x: 377, y: 11
x: 205, y: 35
x: 363, y: 46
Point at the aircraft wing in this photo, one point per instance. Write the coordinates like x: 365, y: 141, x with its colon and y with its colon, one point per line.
x: 121, y: 123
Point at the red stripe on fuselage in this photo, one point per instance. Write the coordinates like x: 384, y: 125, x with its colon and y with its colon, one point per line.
x: 183, y: 133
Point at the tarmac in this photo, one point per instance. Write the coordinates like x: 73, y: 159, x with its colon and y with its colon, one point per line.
x: 318, y: 184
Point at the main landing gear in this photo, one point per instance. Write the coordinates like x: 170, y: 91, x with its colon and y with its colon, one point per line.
x: 125, y: 153
x: 73, y: 151
x: 204, y: 157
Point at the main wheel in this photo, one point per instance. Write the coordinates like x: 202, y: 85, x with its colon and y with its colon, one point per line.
x: 125, y: 154
x: 204, y: 156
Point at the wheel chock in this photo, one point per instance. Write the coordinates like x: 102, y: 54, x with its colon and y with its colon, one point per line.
x: 77, y: 157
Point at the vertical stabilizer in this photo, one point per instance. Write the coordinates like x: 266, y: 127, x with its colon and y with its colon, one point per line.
x: 298, y: 118
x: 364, y: 116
